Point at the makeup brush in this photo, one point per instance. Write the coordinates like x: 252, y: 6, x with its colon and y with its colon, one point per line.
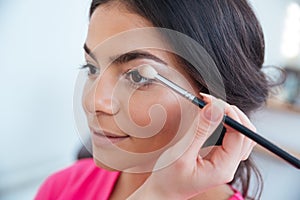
x: 149, y: 72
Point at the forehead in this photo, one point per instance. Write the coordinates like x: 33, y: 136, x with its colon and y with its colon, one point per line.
x: 110, y: 20
x: 106, y: 36
x: 113, y: 31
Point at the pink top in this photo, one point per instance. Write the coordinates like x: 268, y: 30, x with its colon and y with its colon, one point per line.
x: 84, y: 180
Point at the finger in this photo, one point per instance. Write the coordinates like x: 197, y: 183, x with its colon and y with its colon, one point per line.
x: 230, y: 153
x: 209, y: 119
x: 248, y: 143
x: 235, y: 146
x: 230, y: 110
x: 247, y: 153
x: 223, y: 161
x: 207, y: 98
x: 232, y: 135
x: 244, y: 119
x: 239, y: 116
x: 233, y: 141
x: 232, y: 113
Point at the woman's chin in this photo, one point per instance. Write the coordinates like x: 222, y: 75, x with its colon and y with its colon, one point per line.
x: 140, y: 166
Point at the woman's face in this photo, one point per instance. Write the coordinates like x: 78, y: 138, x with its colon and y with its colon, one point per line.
x: 125, y: 111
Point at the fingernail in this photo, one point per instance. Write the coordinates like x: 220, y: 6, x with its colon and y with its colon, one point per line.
x: 203, y: 95
x: 213, y: 113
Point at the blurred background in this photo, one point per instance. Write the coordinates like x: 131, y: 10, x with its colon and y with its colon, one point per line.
x: 40, y: 53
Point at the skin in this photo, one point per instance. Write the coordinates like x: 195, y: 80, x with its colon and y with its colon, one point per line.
x: 102, y: 104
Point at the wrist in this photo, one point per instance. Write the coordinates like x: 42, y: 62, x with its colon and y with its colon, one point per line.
x: 150, y: 191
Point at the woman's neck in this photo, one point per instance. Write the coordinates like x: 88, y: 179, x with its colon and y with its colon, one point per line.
x: 128, y: 183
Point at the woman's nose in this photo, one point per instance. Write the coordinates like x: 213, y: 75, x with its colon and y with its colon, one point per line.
x: 98, y: 96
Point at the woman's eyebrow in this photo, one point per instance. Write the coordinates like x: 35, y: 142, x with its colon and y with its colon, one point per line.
x: 129, y: 56
x: 88, y: 51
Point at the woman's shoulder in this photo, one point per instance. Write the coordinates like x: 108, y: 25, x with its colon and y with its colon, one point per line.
x: 82, y: 178
x: 78, y: 170
x: 82, y: 168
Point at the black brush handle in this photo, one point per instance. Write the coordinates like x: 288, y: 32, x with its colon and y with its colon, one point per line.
x: 255, y: 137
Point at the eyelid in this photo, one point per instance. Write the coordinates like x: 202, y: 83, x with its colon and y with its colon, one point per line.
x: 144, y: 84
x: 87, y: 65
x: 91, y: 67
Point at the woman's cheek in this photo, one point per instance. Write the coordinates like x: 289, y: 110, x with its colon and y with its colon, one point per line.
x: 88, y: 97
x: 163, y: 104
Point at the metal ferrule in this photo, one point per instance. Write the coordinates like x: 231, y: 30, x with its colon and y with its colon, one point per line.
x: 175, y: 87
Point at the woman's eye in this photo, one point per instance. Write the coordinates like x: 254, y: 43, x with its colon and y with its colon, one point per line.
x: 136, y: 79
x: 92, y: 70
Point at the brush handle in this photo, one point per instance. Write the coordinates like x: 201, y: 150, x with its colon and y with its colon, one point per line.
x: 234, y: 124
x: 255, y: 137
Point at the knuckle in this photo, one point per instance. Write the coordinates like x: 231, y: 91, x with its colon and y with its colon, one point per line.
x: 229, y: 178
x: 235, y: 107
x: 225, y: 175
x: 246, y: 156
x: 201, y: 132
x: 180, y: 165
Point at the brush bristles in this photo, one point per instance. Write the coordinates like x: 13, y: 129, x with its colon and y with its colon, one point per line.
x: 147, y: 71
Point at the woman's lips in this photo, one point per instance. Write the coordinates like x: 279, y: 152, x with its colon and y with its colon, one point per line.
x: 105, y: 138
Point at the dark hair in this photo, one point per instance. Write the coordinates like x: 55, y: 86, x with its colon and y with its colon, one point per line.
x: 231, y: 34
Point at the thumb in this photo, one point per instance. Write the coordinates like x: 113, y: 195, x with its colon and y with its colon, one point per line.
x: 210, y: 118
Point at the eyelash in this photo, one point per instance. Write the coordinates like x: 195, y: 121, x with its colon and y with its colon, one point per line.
x: 93, y: 71
x: 145, y: 82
